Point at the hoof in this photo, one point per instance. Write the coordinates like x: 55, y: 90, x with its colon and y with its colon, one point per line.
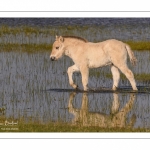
x: 114, y: 88
x: 77, y: 88
x: 86, y: 90
x: 135, y: 90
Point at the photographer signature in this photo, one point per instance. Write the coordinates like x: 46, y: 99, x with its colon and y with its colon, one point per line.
x: 6, y: 123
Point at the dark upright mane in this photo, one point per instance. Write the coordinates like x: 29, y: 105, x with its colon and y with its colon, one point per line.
x: 76, y: 37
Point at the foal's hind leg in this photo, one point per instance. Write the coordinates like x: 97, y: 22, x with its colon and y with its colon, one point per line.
x: 70, y: 71
x: 128, y: 73
x: 116, y: 77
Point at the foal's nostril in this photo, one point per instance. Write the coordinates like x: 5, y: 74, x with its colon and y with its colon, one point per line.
x: 52, y: 58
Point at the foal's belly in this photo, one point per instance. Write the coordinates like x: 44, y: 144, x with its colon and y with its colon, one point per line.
x: 97, y: 58
x: 98, y: 63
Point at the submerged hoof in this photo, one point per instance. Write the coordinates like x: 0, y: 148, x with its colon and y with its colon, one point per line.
x: 86, y: 90
x: 114, y: 88
x: 77, y: 88
x: 135, y: 90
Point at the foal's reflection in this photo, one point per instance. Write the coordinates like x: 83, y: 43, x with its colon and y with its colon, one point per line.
x: 117, y: 118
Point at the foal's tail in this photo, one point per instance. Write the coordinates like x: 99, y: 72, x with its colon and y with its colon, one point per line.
x: 131, y: 55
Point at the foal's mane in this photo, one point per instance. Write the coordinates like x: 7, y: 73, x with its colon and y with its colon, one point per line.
x: 76, y: 37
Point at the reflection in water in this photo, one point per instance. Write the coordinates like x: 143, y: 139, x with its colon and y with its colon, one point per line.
x: 117, y: 118
x: 2, y: 110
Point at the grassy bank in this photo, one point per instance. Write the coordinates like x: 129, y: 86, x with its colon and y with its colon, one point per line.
x: 61, y: 127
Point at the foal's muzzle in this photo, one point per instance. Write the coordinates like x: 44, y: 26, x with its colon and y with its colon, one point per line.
x: 53, y: 58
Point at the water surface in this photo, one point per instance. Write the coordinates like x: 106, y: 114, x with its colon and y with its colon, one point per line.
x: 35, y: 89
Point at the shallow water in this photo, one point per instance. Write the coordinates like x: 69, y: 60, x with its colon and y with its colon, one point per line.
x: 35, y: 89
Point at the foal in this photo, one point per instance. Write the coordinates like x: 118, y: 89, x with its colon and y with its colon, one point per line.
x: 87, y: 55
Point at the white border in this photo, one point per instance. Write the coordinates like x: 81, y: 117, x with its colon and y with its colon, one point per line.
x: 63, y: 135
x: 74, y: 5
x: 110, y: 144
x: 68, y: 14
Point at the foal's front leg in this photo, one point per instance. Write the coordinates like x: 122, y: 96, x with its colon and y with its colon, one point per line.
x: 85, y: 75
x: 70, y: 71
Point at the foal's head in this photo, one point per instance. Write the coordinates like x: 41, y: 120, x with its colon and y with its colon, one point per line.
x: 58, y: 48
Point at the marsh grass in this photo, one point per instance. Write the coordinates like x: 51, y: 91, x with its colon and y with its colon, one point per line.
x: 15, y: 30
x: 49, y: 30
x: 65, y: 127
x: 139, y: 45
x: 10, y: 47
x: 27, y: 36
x: 139, y: 77
x: 31, y: 48
x: 142, y: 77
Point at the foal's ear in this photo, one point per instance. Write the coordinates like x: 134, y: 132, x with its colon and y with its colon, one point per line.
x: 57, y: 37
x: 61, y: 39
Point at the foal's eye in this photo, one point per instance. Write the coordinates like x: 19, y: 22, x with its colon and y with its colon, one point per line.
x: 57, y: 47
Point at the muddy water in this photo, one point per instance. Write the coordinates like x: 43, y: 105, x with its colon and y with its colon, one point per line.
x: 35, y: 89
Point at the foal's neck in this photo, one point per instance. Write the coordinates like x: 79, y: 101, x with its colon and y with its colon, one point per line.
x: 69, y: 50
x: 71, y: 45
